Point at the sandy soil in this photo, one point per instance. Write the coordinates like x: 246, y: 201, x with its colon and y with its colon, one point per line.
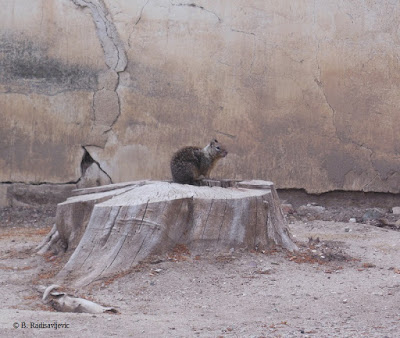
x: 344, y: 282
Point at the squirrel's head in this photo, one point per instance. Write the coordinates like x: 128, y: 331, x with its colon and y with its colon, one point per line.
x: 216, y: 149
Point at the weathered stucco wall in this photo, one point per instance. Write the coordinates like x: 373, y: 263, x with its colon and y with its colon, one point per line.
x: 303, y: 93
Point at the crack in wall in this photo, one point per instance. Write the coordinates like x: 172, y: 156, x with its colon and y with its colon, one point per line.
x: 114, y: 51
x: 318, y: 80
x: 225, y: 134
x: 119, y: 105
x: 253, y: 54
x: 343, y: 139
x: 320, y: 84
x: 39, y: 183
x: 113, y: 48
x: 87, y: 161
x: 193, y: 5
x: 137, y: 22
x: 243, y: 32
x: 141, y: 12
x: 106, y: 103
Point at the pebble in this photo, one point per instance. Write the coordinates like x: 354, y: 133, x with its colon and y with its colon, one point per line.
x: 311, y: 209
x: 266, y: 270
x: 287, y: 208
x: 253, y: 264
x: 372, y: 214
x: 377, y: 293
x: 352, y: 220
x: 347, y: 229
x: 396, y: 210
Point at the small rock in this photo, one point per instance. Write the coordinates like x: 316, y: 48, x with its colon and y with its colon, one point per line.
x: 287, y: 208
x: 377, y: 293
x: 317, y: 208
x: 310, y: 209
x: 265, y: 271
x: 396, y: 210
x: 253, y: 264
x: 383, y: 222
x: 344, y: 301
x: 352, y: 220
x: 372, y: 214
x: 347, y: 229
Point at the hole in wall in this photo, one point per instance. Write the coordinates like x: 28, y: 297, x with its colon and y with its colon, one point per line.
x: 86, y: 162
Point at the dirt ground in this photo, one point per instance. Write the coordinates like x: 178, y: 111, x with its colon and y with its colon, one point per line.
x: 344, y: 282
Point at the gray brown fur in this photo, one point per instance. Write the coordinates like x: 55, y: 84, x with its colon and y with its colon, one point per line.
x: 191, y: 164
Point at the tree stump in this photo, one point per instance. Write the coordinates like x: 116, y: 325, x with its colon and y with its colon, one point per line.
x: 110, y: 229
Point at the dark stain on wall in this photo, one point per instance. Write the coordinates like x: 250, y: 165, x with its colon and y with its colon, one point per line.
x: 26, y: 67
x: 338, y: 164
x: 386, y: 167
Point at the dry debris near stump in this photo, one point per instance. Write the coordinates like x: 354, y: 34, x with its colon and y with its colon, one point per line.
x: 320, y: 252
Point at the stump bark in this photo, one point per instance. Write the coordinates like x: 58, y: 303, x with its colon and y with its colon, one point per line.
x: 112, y: 228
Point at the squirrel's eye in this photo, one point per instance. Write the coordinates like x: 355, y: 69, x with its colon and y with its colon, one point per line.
x: 217, y: 147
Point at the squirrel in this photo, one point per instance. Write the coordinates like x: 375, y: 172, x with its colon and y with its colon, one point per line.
x: 190, y: 165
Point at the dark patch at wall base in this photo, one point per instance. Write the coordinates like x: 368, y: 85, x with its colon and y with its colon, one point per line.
x: 22, y: 195
x: 338, y: 164
x: 344, y: 199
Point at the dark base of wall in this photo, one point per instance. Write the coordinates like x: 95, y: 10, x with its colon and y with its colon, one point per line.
x: 345, y: 199
x: 21, y: 195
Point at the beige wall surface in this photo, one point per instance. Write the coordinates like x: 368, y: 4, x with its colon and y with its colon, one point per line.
x: 304, y: 93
